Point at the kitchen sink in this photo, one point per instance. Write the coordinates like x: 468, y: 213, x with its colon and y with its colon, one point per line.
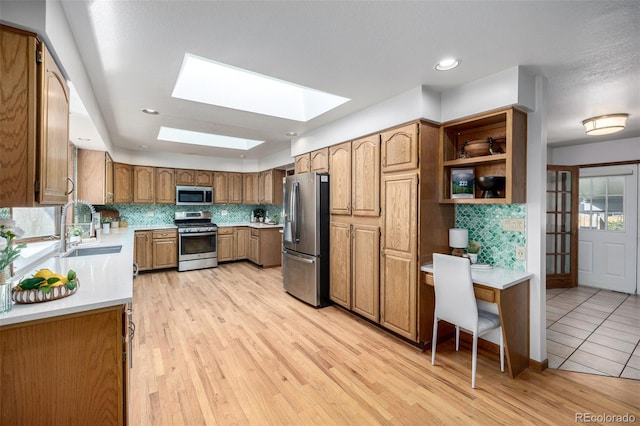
x: 92, y: 251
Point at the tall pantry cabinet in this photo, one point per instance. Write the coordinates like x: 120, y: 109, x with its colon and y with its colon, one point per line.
x: 34, y: 123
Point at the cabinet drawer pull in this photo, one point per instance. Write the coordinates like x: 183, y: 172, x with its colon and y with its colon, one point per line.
x: 73, y: 186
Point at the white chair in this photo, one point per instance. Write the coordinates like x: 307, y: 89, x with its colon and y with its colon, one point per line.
x: 456, y: 304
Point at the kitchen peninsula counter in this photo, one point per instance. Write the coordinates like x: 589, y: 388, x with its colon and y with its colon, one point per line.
x: 105, y: 280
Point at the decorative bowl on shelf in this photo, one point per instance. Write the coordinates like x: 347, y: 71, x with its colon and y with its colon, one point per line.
x: 476, y: 148
x: 491, y: 186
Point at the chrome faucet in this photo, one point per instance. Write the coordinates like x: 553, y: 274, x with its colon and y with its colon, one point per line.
x: 63, y: 234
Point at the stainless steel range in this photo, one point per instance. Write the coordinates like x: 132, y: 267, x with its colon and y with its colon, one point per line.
x: 197, y: 241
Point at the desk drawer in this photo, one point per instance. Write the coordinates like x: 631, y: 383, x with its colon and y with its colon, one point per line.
x: 485, y: 294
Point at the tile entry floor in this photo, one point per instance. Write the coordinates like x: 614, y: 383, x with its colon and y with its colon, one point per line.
x: 594, y: 331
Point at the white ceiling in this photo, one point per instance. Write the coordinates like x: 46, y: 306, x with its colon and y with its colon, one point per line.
x: 366, y: 51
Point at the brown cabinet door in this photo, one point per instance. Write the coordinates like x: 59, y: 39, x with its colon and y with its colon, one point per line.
x: 142, y: 250
x: 365, y: 169
x: 225, y: 247
x: 165, y: 253
x: 340, y: 263
x: 165, y: 186
x: 220, y: 188
x: 143, y: 184
x: 235, y: 188
x: 365, y: 271
x: 242, y: 243
x: 303, y: 163
x: 320, y: 161
x: 93, y: 174
x: 54, y: 131
x: 108, y: 178
x: 254, y: 248
x: 123, y: 183
x: 400, y: 148
x: 399, y: 270
x: 185, y: 177
x: 250, y: 191
x: 340, y: 178
x: 18, y: 113
x: 204, y: 178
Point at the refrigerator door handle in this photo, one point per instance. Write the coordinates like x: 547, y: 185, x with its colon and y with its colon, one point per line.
x: 295, y: 201
x: 298, y: 258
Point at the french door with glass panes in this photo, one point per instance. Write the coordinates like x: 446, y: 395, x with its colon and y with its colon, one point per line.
x: 562, y: 226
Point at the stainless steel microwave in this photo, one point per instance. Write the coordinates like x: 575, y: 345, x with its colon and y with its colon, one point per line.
x: 194, y: 195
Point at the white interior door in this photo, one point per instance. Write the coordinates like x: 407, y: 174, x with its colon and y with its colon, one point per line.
x: 608, y: 228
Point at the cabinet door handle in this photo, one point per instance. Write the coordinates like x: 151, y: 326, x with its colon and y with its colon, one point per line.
x: 73, y: 186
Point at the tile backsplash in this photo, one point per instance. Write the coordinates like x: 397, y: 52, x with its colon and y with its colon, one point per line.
x: 160, y: 214
x: 484, y: 223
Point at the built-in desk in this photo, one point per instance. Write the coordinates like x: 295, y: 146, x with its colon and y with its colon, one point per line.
x: 509, y: 290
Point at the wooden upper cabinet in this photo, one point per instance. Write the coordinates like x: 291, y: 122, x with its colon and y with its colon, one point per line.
x: 320, y: 161
x: 143, y: 184
x: 95, y: 177
x: 365, y: 170
x: 122, y: 183
x: 235, y: 188
x: 203, y: 178
x: 271, y: 186
x: 400, y: 148
x: 220, y: 188
x: 250, y: 189
x: 165, y: 186
x: 303, y: 163
x: 340, y: 178
x: 185, y: 177
x: 54, y: 134
x: 18, y: 113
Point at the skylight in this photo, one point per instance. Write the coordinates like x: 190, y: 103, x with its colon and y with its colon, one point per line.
x: 214, y: 83
x: 207, y: 139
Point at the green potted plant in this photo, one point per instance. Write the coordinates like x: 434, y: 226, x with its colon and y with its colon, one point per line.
x: 473, y: 249
x: 75, y: 234
x: 106, y: 224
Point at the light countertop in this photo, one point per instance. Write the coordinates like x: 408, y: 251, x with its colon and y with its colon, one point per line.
x: 150, y: 227
x: 257, y: 225
x: 105, y: 280
x: 495, y: 277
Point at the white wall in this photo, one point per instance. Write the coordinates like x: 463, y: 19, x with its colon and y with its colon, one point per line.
x: 597, y: 152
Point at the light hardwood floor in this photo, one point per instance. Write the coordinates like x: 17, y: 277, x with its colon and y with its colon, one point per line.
x: 229, y: 346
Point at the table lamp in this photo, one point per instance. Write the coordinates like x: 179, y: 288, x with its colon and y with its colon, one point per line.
x: 458, y: 240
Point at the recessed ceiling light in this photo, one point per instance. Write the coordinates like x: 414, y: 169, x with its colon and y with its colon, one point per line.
x: 84, y: 139
x: 204, y: 80
x: 206, y: 139
x: 243, y: 156
x: 143, y: 146
x: 150, y: 111
x: 291, y: 134
x: 447, y: 64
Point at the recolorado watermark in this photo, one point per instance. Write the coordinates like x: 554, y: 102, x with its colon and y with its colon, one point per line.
x: 604, y: 418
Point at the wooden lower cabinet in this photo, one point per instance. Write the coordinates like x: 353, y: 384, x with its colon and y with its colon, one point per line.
x: 70, y: 369
x: 233, y: 243
x: 165, y: 249
x: 354, y: 266
x: 264, y: 247
x: 156, y: 249
x: 143, y: 250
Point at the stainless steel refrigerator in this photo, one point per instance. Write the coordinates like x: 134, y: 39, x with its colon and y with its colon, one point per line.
x: 305, y: 267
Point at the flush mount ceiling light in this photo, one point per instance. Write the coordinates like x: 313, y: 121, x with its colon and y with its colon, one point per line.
x: 170, y: 134
x: 214, y: 83
x: 150, y: 111
x: 447, y: 64
x: 291, y: 134
x: 605, y: 124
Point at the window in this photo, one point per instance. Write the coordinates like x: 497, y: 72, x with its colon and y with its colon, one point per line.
x: 602, y: 203
x: 36, y: 222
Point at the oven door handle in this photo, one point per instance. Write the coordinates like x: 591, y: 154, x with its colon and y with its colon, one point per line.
x: 197, y: 234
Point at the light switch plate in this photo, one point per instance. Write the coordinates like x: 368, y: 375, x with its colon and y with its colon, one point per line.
x: 223, y: 212
x: 516, y: 225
